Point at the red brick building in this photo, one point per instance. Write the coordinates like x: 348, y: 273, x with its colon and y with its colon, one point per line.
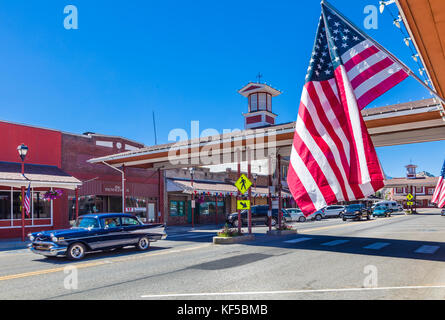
x: 421, y: 187
x: 58, y: 160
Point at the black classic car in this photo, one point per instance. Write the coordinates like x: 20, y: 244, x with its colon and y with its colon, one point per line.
x: 94, y: 232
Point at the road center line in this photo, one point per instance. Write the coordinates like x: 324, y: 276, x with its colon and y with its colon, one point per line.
x: 98, y: 263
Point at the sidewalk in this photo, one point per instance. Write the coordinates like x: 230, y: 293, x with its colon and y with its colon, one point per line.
x: 12, y: 244
x: 187, y: 228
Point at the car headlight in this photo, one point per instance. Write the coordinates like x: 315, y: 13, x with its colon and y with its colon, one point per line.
x: 31, y: 237
x: 358, y: 212
x: 54, y: 239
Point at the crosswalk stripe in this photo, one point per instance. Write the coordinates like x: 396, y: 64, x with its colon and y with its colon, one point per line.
x: 427, y: 249
x: 201, y: 236
x: 298, y: 240
x: 377, y: 246
x: 334, y: 243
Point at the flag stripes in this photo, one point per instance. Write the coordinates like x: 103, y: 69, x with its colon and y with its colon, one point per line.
x: 439, y: 192
x: 27, y: 201
x: 333, y: 158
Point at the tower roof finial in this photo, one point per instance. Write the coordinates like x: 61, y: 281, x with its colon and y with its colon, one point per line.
x: 259, y: 76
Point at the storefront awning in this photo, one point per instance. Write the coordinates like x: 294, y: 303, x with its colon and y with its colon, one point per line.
x: 39, y: 176
x: 214, y: 188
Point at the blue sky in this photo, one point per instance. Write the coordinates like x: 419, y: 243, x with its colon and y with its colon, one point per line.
x: 185, y: 60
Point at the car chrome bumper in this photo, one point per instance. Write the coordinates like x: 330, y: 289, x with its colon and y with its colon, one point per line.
x: 53, y: 250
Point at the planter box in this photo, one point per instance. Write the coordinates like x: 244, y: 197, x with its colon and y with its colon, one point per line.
x: 281, y: 233
x: 233, y: 240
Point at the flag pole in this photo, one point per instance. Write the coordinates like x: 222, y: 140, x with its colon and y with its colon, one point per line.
x: 393, y: 57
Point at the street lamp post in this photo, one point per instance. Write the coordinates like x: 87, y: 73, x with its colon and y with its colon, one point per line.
x: 255, y: 176
x: 23, y: 151
x: 192, y: 174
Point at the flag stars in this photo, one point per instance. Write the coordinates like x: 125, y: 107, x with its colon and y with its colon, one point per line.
x: 345, y: 45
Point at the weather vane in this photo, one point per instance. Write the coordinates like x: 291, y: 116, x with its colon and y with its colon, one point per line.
x: 259, y: 76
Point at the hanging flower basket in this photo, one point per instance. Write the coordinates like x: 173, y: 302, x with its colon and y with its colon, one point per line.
x: 53, y: 195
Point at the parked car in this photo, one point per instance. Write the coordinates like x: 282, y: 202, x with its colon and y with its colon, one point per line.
x: 356, y: 212
x: 296, y: 215
x: 317, y: 216
x: 443, y: 212
x: 93, y: 232
x: 259, y: 216
x: 334, y: 211
x: 381, y: 211
x: 393, y: 206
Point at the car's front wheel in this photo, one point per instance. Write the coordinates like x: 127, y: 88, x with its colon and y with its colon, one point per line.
x: 76, y: 251
x: 143, y: 244
x: 318, y: 217
x: 302, y: 219
x: 235, y: 223
x: 274, y: 222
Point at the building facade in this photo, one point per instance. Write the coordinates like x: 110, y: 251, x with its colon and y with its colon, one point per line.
x: 61, y: 159
x: 421, y: 186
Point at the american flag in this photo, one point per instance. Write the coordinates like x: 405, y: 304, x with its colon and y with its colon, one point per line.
x: 333, y: 158
x: 27, y: 201
x: 439, y: 193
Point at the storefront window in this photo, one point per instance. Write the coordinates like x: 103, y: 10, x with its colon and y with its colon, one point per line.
x: 136, y: 206
x: 17, y: 205
x: 177, y: 208
x: 208, y: 208
x: 41, y: 207
x: 90, y: 204
x: 5, y: 205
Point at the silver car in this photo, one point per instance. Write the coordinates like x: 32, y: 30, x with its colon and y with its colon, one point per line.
x: 334, y: 211
x: 296, y: 215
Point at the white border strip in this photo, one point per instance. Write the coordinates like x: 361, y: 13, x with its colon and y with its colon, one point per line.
x: 289, y: 292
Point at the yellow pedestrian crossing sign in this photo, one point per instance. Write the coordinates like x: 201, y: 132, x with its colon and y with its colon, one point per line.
x: 410, y: 197
x: 243, y: 184
x: 244, y: 205
x: 410, y: 203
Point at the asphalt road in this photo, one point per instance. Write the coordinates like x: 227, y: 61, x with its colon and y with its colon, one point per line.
x: 402, y: 257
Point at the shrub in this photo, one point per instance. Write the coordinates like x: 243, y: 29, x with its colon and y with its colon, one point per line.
x: 229, y: 233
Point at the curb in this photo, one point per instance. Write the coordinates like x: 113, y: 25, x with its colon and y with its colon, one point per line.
x: 278, y: 233
x: 234, y: 240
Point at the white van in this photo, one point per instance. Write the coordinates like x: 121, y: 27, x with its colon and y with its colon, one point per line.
x: 391, y: 205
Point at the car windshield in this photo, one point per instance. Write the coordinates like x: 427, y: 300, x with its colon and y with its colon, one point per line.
x: 86, y: 223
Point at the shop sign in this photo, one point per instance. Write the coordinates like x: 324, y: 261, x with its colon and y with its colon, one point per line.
x: 113, y: 188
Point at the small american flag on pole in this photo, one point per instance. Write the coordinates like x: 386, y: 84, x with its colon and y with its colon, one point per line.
x: 439, y: 192
x: 27, y: 201
x: 333, y: 158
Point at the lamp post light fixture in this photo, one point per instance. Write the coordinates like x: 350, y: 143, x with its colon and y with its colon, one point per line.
x: 23, y: 151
